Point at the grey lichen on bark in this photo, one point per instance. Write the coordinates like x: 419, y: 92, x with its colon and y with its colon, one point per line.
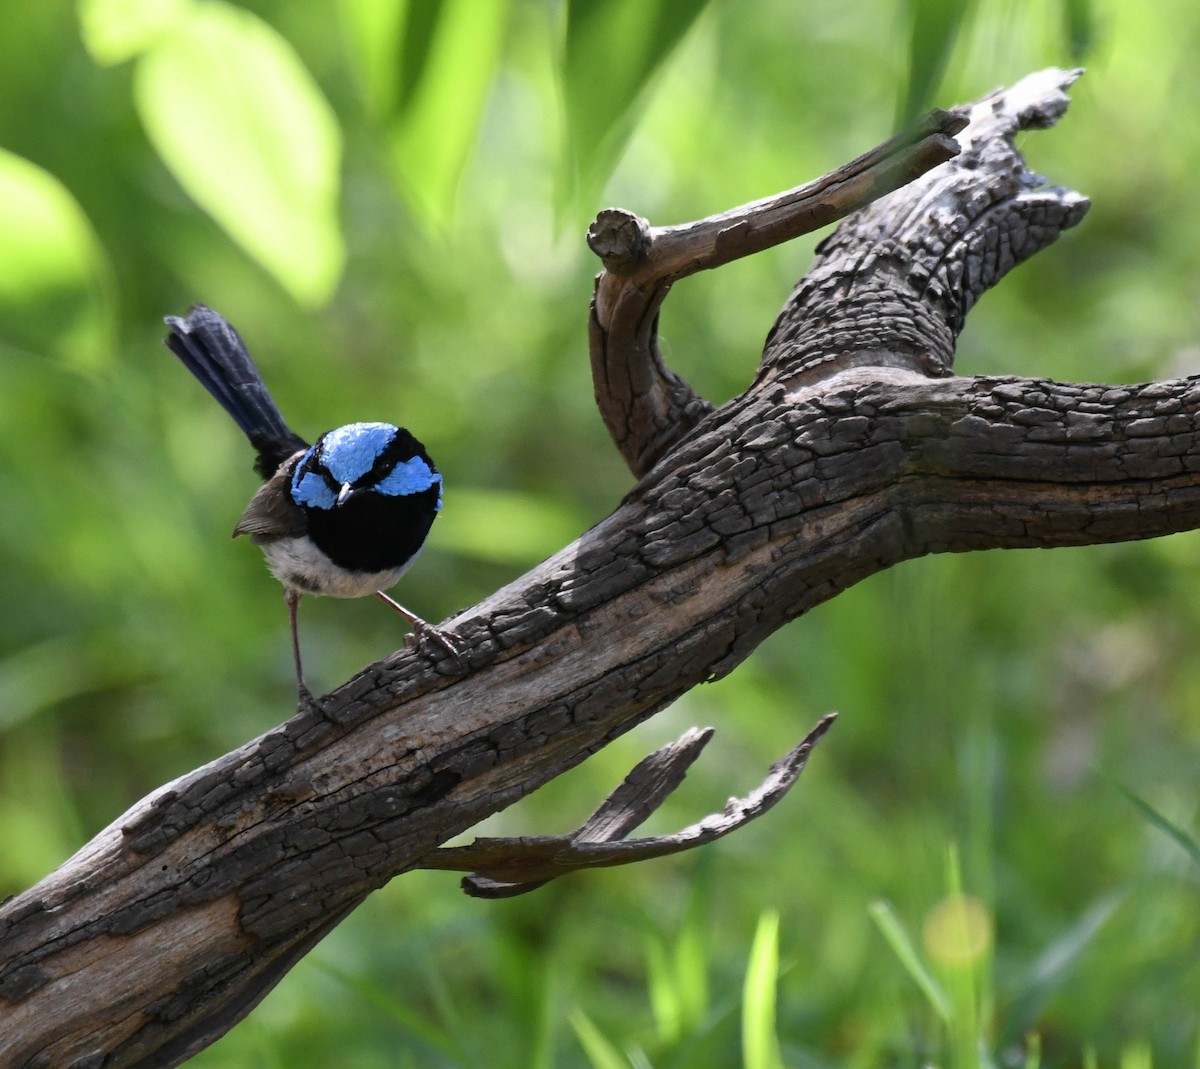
x: 854, y: 448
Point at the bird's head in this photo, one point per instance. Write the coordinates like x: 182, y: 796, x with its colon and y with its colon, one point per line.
x: 363, y: 458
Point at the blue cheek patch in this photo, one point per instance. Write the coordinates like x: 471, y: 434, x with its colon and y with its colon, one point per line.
x: 349, y: 452
x: 411, y: 477
x: 311, y: 490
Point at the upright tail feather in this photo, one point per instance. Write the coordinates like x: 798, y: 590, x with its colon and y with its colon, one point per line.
x: 211, y: 350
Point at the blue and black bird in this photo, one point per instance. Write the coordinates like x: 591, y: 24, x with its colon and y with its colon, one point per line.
x: 346, y: 516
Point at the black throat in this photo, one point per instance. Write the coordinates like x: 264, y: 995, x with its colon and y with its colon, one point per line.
x: 372, y: 532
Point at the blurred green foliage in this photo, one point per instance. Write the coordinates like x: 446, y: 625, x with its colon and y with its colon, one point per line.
x: 388, y: 199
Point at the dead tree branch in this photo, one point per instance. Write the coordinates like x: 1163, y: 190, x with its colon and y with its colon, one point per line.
x: 854, y: 448
x: 509, y: 867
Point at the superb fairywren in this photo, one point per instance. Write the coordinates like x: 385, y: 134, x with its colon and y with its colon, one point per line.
x: 345, y: 516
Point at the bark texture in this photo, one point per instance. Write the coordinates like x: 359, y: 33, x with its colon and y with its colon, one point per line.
x: 854, y: 448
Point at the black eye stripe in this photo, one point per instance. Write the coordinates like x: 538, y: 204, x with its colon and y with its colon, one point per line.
x: 315, y: 465
x: 402, y: 447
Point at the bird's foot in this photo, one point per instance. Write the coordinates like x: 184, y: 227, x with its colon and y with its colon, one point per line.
x: 421, y: 631
x: 305, y: 700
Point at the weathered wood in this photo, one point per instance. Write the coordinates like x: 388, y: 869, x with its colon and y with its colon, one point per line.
x: 854, y: 449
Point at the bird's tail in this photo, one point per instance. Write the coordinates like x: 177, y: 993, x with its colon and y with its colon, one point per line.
x: 212, y: 351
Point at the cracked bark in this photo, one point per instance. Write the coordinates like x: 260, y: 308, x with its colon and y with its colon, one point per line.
x: 854, y: 448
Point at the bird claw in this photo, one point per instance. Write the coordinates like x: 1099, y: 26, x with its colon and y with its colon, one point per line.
x: 424, y: 630
x: 305, y: 700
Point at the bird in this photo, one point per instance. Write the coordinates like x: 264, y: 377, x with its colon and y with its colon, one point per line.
x: 345, y: 516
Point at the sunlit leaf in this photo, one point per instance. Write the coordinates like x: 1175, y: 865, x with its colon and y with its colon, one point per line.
x: 55, y: 289
x: 391, y: 41
x: 374, y: 31
x: 933, y: 29
x: 244, y: 128
x: 456, y: 57
x: 116, y: 30
x: 613, y: 49
x: 421, y: 30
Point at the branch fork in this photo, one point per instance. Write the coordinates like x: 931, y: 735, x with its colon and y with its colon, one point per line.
x: 504, y: 868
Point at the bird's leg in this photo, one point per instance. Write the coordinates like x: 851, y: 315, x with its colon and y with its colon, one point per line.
x: 421, y: 629
x: 292, y: 597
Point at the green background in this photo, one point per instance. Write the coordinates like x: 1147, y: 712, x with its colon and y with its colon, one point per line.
x: 389, y: 201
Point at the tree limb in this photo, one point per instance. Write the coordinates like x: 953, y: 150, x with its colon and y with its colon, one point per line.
x: 854, y: 449
x: 648, y: 408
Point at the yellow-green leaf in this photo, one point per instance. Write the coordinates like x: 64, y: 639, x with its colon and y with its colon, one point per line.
x: 244, y: 128
x: 55, y: 285
x: 374, y: 30
x: 441, y: 118
x: 116, y: 30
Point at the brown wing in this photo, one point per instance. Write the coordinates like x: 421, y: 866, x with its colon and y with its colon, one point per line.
x: 272, y: 514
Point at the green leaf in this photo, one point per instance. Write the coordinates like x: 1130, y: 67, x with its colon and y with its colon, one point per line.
x: 613, y: 50
x: 56, y: 293
x: 374, y: 29
x: 241, y: 124
x: 933, y: 28
x: 452, y: 60
x: 1079, y: 17
x: 116, y: 30
x: 760, y: 1044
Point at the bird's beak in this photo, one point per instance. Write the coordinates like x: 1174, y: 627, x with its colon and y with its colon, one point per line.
x: 345, y: 494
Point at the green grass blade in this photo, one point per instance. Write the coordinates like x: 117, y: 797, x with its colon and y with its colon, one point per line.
x: 599, y: 1050
x: 903, y: 947
x: 760, y: 1044
x: 664, y: 994
x: 1054, y: 966
x: 1168, y: 827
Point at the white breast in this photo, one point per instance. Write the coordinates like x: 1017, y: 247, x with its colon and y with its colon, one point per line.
x: 300, y: 566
